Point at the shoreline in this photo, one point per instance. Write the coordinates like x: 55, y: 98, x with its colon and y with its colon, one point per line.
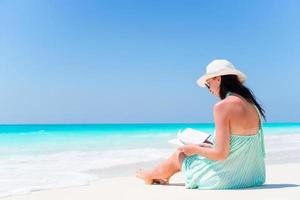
x: 283, y: 182
x: 280, y: 150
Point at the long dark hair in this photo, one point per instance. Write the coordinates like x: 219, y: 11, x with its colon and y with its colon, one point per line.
x: 231, y: 83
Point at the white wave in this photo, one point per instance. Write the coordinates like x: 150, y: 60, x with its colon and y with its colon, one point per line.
x: 24, y: 173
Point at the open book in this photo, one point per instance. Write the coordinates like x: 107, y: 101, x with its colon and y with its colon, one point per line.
x: 189, y: 136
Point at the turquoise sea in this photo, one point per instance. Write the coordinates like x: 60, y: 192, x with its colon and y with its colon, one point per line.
x: 35, y: 157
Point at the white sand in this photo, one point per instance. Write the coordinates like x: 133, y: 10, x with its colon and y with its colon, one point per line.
x: 283, y: 182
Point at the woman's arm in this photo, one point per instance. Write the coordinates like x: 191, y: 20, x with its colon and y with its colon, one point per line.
x: 222, y: 146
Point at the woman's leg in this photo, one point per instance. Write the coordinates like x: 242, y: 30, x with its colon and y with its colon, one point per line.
x: 162, y: 172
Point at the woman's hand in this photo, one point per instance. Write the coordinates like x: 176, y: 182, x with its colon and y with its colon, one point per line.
x: 189, y: 149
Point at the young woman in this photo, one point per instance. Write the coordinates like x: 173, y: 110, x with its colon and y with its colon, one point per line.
x: 236, y: 158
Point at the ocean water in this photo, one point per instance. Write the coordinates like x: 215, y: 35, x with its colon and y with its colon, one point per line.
x: 37, y: 157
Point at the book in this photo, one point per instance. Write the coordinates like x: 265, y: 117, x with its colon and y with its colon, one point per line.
x: 190, y: 136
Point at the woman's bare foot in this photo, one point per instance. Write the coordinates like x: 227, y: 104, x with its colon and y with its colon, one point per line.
x: 144, y: 175
x: 161, y: 181
x: 148, y: 178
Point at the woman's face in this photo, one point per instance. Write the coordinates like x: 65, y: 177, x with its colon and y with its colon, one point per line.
x: 213, y: 85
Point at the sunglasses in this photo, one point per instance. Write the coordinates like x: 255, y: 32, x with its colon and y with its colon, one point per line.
x: 207, y: 85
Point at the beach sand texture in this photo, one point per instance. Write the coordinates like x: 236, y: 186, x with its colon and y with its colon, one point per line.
x: 283, y: 182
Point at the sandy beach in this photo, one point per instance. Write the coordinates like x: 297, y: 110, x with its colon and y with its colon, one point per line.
x: 119, y: 182
x: 52, y: 176
x: 283, y: 182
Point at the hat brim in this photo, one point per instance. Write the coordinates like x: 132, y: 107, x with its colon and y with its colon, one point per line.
x: 201, y: 81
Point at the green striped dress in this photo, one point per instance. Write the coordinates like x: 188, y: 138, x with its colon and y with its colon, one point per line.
x: 244, y: 166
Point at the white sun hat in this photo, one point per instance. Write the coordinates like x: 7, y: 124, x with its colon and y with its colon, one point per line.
x: 219, y: 68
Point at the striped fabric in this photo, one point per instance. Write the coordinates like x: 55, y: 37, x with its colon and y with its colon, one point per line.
x: 244, y: 166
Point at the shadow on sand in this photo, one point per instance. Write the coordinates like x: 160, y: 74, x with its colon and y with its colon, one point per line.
x: 272, y: 186
x: 265, y: 186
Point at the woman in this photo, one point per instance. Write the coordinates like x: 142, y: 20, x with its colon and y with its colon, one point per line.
x: 236, y: 158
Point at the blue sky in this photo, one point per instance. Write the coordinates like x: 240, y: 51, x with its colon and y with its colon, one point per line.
x: 138, y: 61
